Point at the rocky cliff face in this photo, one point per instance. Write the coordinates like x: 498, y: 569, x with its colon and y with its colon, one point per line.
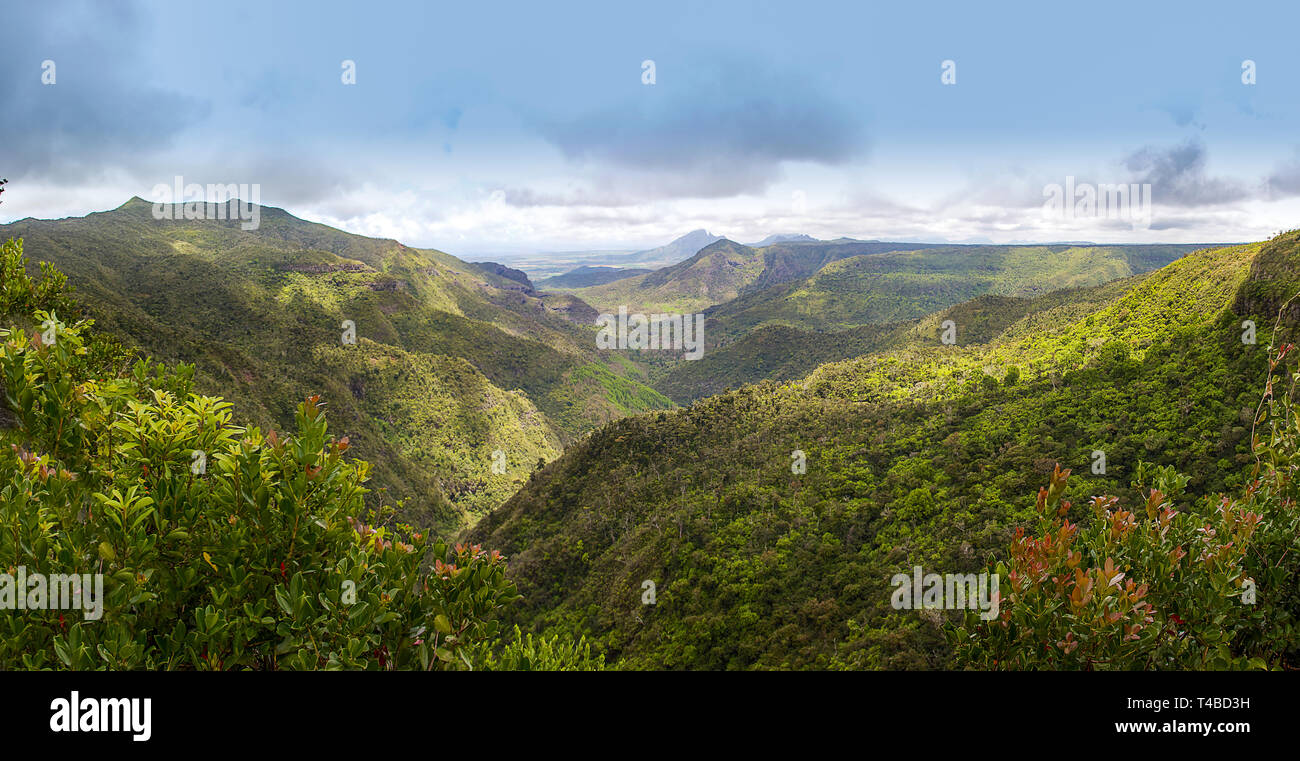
x: 509, y: 273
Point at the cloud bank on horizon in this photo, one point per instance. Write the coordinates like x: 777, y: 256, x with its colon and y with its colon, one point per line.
x: 530, y: 127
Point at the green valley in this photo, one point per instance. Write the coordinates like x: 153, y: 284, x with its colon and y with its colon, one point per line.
x: 832, y: 438
x: 919, y: 454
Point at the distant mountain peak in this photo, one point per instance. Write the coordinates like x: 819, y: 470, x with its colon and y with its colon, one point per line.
x: 678, y: 250
x: 722, y: 243
x: 696, y: 239
x: 784, y: 238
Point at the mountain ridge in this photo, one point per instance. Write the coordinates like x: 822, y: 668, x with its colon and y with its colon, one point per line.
x: 262, y: 313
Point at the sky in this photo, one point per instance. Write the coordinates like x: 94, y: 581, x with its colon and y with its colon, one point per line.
x: 509, y: 128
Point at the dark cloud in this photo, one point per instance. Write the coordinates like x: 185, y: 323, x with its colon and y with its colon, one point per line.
x: 712, y: 131
x: 99, y: 114
x: 294, y: 179
x: 1177, y: 177
x: 1285, y: 180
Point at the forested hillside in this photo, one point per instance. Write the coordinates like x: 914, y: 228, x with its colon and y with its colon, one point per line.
x: 212, y: 545
x: 922, y: 454
x: 451, y: 363
x: 866, y: 303
x: 829, y: 285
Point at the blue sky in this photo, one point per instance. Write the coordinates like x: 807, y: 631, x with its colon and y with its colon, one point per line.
x: 509, y: 128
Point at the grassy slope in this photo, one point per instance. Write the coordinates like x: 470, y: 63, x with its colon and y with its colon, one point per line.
x: 722, y: 271
x: 717, y: 273
x: 446, y: 345
x: 920, y: 455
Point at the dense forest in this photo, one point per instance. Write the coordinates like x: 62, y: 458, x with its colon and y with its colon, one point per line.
x: 921, y: 455
x: 222, y: 546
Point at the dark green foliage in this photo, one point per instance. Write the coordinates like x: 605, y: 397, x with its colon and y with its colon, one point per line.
x: 771, y: 352
x: 215, y: 546
x: 925, y: 455
x: 1164, y: 584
